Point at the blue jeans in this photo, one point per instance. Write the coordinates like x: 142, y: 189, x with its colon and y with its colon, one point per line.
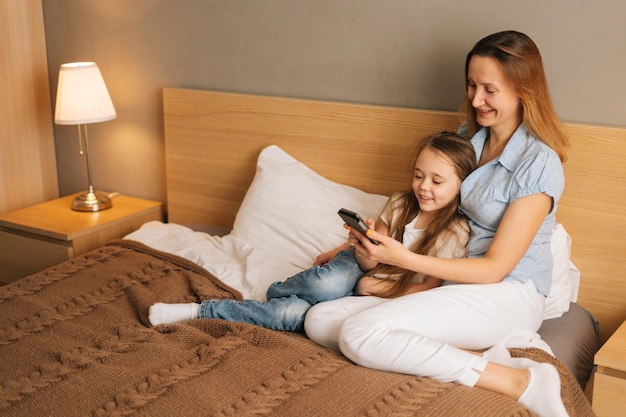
x: 289, y: 300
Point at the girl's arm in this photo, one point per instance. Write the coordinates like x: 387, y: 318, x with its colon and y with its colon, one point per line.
x: 375, y: 286
x: 326, y: 257
x: 518, y: 227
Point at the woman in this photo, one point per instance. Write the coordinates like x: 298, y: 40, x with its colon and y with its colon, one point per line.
x: 511, y: 201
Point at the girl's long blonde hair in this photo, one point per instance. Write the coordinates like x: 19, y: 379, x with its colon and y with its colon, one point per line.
x: 404, y: 206
x: 521, y: 63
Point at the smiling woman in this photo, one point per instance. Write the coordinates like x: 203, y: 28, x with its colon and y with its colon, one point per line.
x: 510, y: 202
x: 506, y: 84
x: 497, y: 105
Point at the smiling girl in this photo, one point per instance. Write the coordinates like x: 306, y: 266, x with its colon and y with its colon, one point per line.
x: 424, y: 219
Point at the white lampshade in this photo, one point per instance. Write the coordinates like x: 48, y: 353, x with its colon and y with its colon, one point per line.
x: 82, y: 96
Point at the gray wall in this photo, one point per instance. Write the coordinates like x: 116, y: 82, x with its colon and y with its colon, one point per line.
x: 392, y: 52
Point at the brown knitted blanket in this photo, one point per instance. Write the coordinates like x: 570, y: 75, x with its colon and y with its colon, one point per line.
x: 75, y: 341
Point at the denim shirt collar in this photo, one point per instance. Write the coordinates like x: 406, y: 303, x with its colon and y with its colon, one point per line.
x: 511, y: 153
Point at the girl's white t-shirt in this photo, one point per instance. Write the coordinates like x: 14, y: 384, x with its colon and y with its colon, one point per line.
x: 449, y: 245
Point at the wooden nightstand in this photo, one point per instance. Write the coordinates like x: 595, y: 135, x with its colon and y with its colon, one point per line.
x: 41, y: 236
x: 609, y: 386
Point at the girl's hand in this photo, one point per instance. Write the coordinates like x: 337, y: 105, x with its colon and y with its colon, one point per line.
x: 388, y: 251
x: 354, y: 239
x: 324, y: 258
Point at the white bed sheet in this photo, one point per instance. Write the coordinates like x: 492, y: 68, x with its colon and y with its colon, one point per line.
x: 245, y: 268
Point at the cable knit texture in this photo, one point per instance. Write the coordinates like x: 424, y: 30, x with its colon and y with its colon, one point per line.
x: 75, y: 341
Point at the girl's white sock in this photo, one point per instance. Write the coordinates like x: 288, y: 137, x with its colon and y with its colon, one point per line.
x: 543, y: 393
x: 161, y: 313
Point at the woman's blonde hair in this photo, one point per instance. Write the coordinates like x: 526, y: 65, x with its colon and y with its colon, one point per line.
x: 403, y: 207
x: 521, y: 63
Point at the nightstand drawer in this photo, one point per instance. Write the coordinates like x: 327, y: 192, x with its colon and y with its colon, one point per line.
x: 608, y: 396
x: 23, y: 255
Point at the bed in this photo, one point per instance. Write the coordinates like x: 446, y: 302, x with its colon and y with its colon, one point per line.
x: 248, y: 177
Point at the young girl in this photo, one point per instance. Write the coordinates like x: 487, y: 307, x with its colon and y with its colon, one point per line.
x: 425, y: 219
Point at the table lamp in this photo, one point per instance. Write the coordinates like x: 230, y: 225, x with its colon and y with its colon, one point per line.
x: 82, y: 98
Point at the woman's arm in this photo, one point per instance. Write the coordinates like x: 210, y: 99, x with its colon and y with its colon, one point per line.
x: 517, y: 229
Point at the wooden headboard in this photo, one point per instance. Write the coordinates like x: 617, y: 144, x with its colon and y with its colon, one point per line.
x: 212, y: 141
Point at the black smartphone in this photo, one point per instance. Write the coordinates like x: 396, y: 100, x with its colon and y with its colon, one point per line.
x: 355, y: 221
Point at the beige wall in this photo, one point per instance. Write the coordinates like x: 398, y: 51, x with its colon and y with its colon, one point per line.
x: 392, y: 52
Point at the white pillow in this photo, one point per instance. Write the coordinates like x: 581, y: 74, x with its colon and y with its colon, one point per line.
x: 565, y: 275
x: 291, y: 211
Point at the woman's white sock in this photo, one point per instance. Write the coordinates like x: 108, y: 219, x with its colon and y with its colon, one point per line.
x: 161, y: 313
x: 543, y: 393
x: 500, y: 354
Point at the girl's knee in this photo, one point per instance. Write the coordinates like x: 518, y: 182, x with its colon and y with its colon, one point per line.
x: 291, y: 312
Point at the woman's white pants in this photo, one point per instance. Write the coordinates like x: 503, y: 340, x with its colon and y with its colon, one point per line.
x: 426, y: 333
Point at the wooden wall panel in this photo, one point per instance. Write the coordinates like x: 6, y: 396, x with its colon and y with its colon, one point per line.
x: 28, y: 173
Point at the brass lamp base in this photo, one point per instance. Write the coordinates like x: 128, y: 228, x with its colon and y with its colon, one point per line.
x: 91, y: 201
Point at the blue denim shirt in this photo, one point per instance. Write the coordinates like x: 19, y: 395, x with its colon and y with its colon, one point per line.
x: 526, y: 166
